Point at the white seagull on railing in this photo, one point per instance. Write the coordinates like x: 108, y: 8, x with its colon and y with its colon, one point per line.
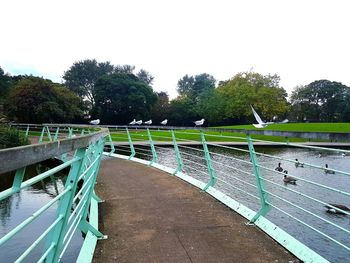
x: 138, y: 122
x: 199, y: 123
x: 95, y: 122
x: 262, y: 124
x: 164, y: 122
x: 133, y: 122
x: 148, y: 122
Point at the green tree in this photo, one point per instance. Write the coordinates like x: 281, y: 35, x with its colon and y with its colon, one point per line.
x: 145, y: 76
x: 249, y: 88
x: 193, y: 86
x: 121, y: 97
x: 82, y: 76
x: 5, y: 83
x: 38, y: 100
x: 321, y: 100
x: 160, y: 110
x: 182, y: 112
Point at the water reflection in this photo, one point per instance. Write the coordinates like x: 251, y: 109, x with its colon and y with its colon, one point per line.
x: 19, y: 206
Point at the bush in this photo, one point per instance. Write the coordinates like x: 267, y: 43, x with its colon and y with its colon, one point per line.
x: 11, y: 137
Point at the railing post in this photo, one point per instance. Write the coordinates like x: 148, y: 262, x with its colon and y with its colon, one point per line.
x: 180, y: 164
x: 111, y: 142
x: 56, y: 134
x: 27, y: 132
x: 154, y: 153
x: 42, y: 135
x: 264, y: 198
x: 64, y: 208
x: 48, y: 133
x: 17, y: 181
x: 132, y: 149
x: 211, y: 171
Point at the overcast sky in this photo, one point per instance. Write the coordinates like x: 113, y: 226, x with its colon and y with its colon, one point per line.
x: 301, y: 41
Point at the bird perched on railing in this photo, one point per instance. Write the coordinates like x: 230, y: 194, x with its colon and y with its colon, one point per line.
x: 133, y: 122
x: 298, y: 164
x: 95, y: 122
x: 199, y: 123
x: 288, y: 179
x: 148, y: 122
x: 327, y: 171
x: 164, y: 122
x: 332, y: 210
x: 139, y: 122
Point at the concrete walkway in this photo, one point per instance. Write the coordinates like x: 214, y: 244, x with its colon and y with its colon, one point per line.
x: 150, y: 216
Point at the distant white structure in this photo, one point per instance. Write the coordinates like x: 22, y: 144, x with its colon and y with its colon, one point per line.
x: 164, y: 122
x: 199, y: 123
x: 133, y: 122
x: 148, y: 122
x: 138, y: 122
x: 95, y: 122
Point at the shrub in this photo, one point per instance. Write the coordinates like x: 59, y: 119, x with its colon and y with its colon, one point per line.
x: 11, y: 137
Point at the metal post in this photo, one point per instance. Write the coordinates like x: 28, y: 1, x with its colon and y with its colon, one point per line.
x: 264, y: 198
x: 211, y: 171
x: 154, y: 153
x: 17, y: 181
x: 56, y: 134
x: 132, y: 149
x: 111, y: 142
x: 27, y: 132
x: 42, y: 135
x: 64, y: 209
x: 180, y: 164
x: 48, y: 133
x: 70, y: 132
x: 82, y: 132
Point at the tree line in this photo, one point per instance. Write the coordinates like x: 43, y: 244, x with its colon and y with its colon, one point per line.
x: 116, y: 94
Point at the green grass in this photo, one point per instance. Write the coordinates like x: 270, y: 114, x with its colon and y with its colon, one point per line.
x: 307, y: 127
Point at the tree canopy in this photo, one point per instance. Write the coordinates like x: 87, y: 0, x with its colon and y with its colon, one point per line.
x: 121, y: 97
x: 321, y: 100
x: 38, y: 100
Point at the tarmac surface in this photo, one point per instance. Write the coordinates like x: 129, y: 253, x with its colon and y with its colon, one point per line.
x: 151, y: 216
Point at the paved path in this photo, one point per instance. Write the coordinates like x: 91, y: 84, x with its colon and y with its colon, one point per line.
x: 150, y: 216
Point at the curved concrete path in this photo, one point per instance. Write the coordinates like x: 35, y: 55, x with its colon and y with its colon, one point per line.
x: 150, y: 216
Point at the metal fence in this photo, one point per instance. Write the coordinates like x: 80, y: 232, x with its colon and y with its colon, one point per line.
x: 75, y: 203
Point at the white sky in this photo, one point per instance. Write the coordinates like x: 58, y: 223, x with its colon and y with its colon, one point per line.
x: 301, y: 41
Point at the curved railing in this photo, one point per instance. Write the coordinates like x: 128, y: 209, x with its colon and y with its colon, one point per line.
x: 75, y: 203
x: 230, y: 166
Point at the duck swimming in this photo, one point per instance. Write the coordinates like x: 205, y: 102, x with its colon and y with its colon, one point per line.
x: 327, y: 171
x: 288, y: 179
x: 334, y: 211
x: 279, y: 168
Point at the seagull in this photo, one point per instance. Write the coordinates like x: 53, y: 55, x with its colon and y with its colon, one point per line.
x: 95, y: 122
x: 133, y: 122
x: 148, y: 122
x: 199, y: 123
x: 262, y: 124
x: 164, y: 122
x: 138, y: 122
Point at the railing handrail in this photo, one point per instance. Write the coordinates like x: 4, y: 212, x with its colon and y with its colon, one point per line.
x: 18, y: 157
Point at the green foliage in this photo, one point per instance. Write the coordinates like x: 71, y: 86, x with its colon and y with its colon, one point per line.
x: 261, y: 91
x: 321, y: 100
x: 121, y: 97
x: 193, y: 86
x: 160, y: 109
x: 37, y: 100
x: 11, y: 137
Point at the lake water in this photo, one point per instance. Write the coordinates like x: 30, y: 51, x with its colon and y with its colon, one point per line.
x: 21, y: 205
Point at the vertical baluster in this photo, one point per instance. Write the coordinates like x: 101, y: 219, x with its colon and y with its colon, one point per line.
x: 17, y: 181
x: 48, y: 133
x: 264, y: 198
x: 111, y: 142
x: 64, y: 209
x: 27, y: 132
x: 154, y: 153
x: 132, y: 149
x: 211, y: 171
x: 180, y: 164
x: 42, y: 135
x: 56, y: 134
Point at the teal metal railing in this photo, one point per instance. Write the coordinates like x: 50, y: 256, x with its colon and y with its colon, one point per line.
x: 75, y: 203
x: 230, y: 168
x: 233, y: 168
